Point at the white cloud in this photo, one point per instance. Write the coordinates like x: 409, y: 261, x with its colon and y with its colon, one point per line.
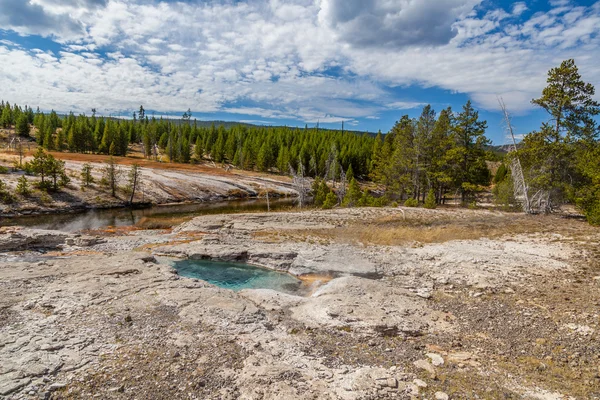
x: 275, y: 57
x: 405, y: 105
x: 519, y: 8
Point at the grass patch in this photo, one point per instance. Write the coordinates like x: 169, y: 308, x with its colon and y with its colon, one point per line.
x: 394, y: 230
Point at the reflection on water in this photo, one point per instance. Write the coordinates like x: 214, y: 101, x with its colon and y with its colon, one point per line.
x: 237, y: 276
x: 158, y: 216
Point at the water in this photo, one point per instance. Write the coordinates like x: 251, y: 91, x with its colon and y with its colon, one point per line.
x: 237, y: 276
x: 155, y: 217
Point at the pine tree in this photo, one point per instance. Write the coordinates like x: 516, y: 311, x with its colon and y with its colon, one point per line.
x: 353, y: 194
x: 86, y: 174
x: 22, y: 126
x: 469, y: 133
x: 198, y: 151
x: 23, y: 186
x: 430, y: 201
x: 111, y: 175
x: 559, y: 159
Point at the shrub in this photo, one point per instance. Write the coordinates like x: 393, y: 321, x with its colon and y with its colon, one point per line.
x: 23, y: 186
x: 3, y: 169
x: 353, y: 194
x: 592, y: 214
x: 86, y: 174
x: 330, y: 201
x: 379, y: 201
x: 411, y: 203
x: 504, y: 195
x: 5, y: 196
x: 501, y: 173
x: 320, y: 192
x: 45, y: 198
x: 430, y: 202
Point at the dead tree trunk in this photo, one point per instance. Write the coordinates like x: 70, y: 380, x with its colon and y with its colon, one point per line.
x: 521, y: 190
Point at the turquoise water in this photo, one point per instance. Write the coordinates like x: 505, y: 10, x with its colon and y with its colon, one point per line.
x: 237, y: 276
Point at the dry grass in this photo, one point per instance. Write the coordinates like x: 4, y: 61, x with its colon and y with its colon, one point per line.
x: 394, y: 230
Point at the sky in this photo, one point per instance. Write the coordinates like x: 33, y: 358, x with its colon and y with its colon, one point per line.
x: 294, y: 62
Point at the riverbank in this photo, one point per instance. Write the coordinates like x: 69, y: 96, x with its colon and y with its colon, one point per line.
x: 431, y: 303
x: 161, y: 184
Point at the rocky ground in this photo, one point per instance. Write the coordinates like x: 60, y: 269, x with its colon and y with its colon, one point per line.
x: 423, y: 304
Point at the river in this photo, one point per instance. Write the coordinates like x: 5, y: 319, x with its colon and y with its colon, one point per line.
x: 164, y: 216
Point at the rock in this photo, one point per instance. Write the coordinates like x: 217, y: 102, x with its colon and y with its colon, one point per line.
x: 12, y: 386
x: 460, y: 356
x: 441, y: 396
x: 392, y: 383
x: 420, y: 383
x: 425, y: 365
x: 436, y: 359
x: 56, y: 386
x: 424, y: 293
x: 582, y: 330
x: 117, y: 389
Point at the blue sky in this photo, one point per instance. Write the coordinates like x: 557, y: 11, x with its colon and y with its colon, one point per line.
x: 294, y: 62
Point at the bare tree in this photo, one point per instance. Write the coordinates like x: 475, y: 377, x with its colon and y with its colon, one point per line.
x: 341, y: 192
x: 299, y: 183
x: 112, y: 173
x: 20, y: 151
x: 135, y: 179
x: 521, y: 190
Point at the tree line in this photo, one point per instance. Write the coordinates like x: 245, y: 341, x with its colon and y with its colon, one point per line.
x: 420, y: 160
x: 442, y: 153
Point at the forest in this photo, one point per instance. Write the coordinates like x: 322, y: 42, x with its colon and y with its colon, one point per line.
x: 420, y: 160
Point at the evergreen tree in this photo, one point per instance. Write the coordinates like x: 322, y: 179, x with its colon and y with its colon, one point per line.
x: 22, y: 126
x: 470, y: 138
x: 560, y: 159
x: 86, y: 174
x: 353, y: 194
x: 23, y: 186
x: 198, y: 151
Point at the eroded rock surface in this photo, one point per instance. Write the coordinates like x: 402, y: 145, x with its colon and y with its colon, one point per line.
x: 82, y: 316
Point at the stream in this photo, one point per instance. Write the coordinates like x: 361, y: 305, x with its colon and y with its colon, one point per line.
x: 156, y: 217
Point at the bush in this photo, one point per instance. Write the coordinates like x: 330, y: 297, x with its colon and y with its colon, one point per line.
x: 320, y: 192
x: 353, y: 194
x: 504, y: 196
x: 330, y: 201
x: 45, y: 198
x: 3, y: 170
x: 592, y: 214
x: 411, y: 203
x: 86, y: 174
x: 23, y: 186
x: 5, y: 196
x: 394, y: 204
x: 378, y: 201
x: 430, y: 202
x: 501, y: 173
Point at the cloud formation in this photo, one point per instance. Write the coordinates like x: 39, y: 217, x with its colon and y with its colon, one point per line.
x: 27, y: 17
x: 305, y: 60
x: 394, y: 24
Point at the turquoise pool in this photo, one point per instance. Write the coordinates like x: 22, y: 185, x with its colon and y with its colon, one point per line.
x: 237, y: 276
